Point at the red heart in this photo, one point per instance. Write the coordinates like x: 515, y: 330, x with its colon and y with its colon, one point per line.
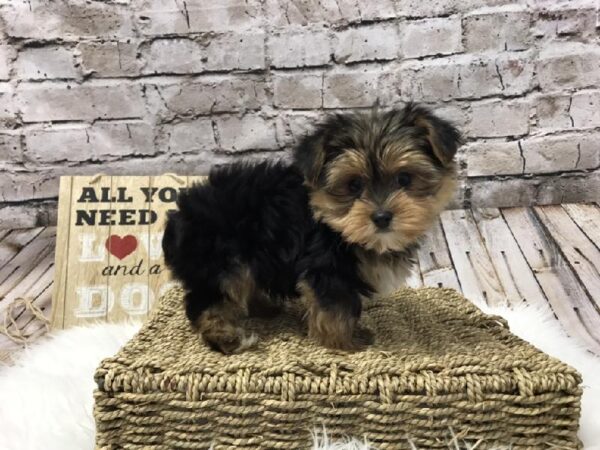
x: 121, y: 247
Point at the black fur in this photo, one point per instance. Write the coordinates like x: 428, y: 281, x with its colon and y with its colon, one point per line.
x: 258, y: 215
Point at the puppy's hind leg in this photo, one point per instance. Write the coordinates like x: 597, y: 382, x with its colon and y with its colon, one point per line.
x: 221, y: 323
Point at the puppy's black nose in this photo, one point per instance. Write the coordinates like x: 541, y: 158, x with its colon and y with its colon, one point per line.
x: 382, y: 219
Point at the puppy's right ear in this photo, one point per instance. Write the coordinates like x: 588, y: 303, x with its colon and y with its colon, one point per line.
x: 309, y: 156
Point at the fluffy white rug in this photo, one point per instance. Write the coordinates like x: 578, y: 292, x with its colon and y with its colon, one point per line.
x: 46, y: 397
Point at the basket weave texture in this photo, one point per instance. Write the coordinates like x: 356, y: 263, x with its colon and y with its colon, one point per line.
x: 436, y: 364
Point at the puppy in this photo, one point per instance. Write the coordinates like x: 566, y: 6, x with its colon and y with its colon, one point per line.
x: 337, y: 225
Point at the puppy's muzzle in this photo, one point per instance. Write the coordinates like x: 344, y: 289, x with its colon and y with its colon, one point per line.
x: 382, y: 219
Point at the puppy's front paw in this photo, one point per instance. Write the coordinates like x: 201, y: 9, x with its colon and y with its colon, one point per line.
x: 333, y: 332
x: 333, y: 343
x: 229, y: 339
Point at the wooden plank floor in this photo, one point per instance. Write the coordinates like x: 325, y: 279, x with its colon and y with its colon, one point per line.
x: 541, y: 255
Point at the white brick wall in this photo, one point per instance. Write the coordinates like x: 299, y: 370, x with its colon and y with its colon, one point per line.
x: 151, y: 86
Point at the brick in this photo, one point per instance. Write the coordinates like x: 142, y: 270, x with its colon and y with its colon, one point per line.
x: 381, y: 9
x: 10, y: 147
x: 160, y: 17
x: 52, y: 20
x: 298, y: 91
x: 431, y: 37
x: 173, y: 56
x: 210, y: 95
x: 434, y: 8
x: 195, y: 163
x: 579, y: 23
x: 22, y: 216
x: 568, y: 188
x: 492, y: 157
x: 541, y: 190
x: 509, y: 30
x: 110, y: 59
x: 420, y: 8
x: 7, y: 114
x: 42, y: 103
x: 589, y: 151
x: 549, y: 6
x: 351, y: 89
x: 236, y: 51
x: 585, y: 109
x: 45, y: 63
x: 548, y: 154
x: 568, y: 65
x: 7, y: 53
x: 368, y: 43
x: 292, y: 127
x: 500, y: 193
x: 21, y: 186
x: 562, y: 112
x: 496, y: 118
x: 434, y: 80
x: 299, y: 48
x: 552, y: 111
x: 246, y: 133
x: 516, y: 72
x: 465, y: 76
x: 189, y: 136
x: 102, y: 140
x: 456, y: 114
x: 293, y: 12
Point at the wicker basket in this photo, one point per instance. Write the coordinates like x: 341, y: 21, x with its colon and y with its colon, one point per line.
x: 437, y: 364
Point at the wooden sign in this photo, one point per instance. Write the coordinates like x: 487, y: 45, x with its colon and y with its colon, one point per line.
x: 109, y: 264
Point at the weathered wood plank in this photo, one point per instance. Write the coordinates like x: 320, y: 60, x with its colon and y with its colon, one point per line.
x: 435, y: 263
x: 37, y: 281
x: 511, y: 267
x: 4, y: 233
x: 567, y: 298
x: 36, y: 287
x: 61, y: 252
x: 587, y: 217
x: 474, y: 268
x: 14, y: 241
x: 86, y: 256
x: 24, y: 266
x: 41, y: 295
x: 578, y: 250
x: 128, y: 282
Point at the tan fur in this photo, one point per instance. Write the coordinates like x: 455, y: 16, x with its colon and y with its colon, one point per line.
x: 414, y: 211
x: 221, y: 324
x: 330, y: 328
x: 351, y: 163
x: 433, y: 138
x: 384, y: 274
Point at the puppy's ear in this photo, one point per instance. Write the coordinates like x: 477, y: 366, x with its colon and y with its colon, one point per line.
x: 309, y: 156
x: 443, y: 137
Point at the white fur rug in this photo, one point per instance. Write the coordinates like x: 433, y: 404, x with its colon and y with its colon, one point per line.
x: 46, y: 397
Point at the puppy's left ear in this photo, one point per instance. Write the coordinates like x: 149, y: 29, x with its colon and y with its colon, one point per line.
x: 443, y: 137
x: 309, y: 156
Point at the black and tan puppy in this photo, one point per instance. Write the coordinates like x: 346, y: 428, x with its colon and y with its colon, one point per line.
x: 338, y: 224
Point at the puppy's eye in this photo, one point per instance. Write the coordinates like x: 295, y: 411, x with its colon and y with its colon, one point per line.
x: 403, y: 179
x: 355, y: 186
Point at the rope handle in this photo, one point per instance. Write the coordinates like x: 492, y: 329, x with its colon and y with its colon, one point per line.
x: 9, y: 326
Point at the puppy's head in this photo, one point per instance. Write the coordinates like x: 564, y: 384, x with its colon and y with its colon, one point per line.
x: 380, y: 179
